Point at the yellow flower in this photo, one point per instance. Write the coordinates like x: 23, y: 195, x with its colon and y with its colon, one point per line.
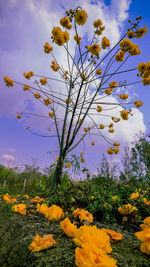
x: 99, y: 108
x: 144, y: 236
x: 68, y: 227
x: 114, y: 236
x: 19, y: 117
x: 116, y: 150
x: 43, y: 81
x: 94, y: 49
x: 65, y: 22
x: 114, y: 197
x: 54, y: 66
x: 8, y: 199
x: 141, y: 67
x: 105, y: 42
x: 99, y: 72
x: 67, y: 100
x: 37, y: 199
x: 20, y: 208
x: 26, y: 87
x: 98, y: 24
x: 36, y: 95
x: 124, y: 96
x: 41, y: 243
x: 92, y: 197
x: 51, y: 114
x: 92, y: 256
x: 113, y: 84
x: 8, y: 81
x: 54, y: 213
x: 77, y: 39
x: 80, y: 120
x: 68, y: 165
x: 127, y: 46
x: 92, y: 235
x: 83, y: 215
x: 127, y: 209
x: 28, y: 75
x: 111, y: 130
x: 134, y: 195
x: 110, y: 150
x: 146, y: 223
x: 47, y: 101
x: 115, y: 119
x: 120, y: 56
x: 116, y: 144
x: 93, y: 143
x: 47, y: 48
x: 124, y: 114
x: 101, y: 126
x: 138, y: 104
x: 130, y: 34
x: 42, y: 208
x: 124, y: 219
x: 140, y: 32
x: 80, y: 17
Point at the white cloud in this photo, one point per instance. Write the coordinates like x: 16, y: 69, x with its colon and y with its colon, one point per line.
x: 8, y: 157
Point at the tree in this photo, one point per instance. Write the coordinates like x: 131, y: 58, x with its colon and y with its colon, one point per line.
x: 85, y: 69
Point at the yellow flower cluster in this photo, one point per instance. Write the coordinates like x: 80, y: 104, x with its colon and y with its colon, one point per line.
x: 115, y: 119
x: 134, y: 195
x: 120, y: 56
x: 51, y: 114
x: 41, y: 243
x: 105, y: 42
x: 111, y: 130
x: 81, y: 157
x: 59, y: 37
x: 111, y: 150
x: 137, y: 34
x: 68, y: 165
x: 19, y: 117
x: 116, y: 144
x: 47, y: 48
x: 20, y: 208
x: 36, y: 95
x: 65, y: 22
x: 138, y: 104
x: 83, y: 215
x: 28, y: 75
x: 37, y: 199
x: 54, y: 66
x: 98, y: 24
x: 94, y: 49
x: 26, y: 87
x: 127, y: 209
x: 99, y: 72
x: 127, y: 46
x: 114, y: 236
x: 79, y: 120
x: 113, y: 84
x: 108, y: 91
x: 86, y: 129
x: 78, y: 39
x: 93, y: 143
x: 144, y: 236
x: 51, y: 213
x: 43, y: 81
x: 8, y: 199
x: 99, y: 108
x: 123, y: 96
x: 47, y: 101
x: 80, y: 17
x: 147, y: 203
x: 144, y: 70
x: 8, y: 81
x: 124, y: 114
x: 68, y: 228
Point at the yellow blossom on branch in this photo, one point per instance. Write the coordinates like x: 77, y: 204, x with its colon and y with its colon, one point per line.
x: 81, y: 17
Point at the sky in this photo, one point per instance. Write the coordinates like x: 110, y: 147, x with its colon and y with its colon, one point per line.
x: 25, y: 26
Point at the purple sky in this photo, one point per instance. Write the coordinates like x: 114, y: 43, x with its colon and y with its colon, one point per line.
x: 25, y: 25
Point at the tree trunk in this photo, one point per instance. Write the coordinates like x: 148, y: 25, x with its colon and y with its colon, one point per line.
x: 57, y: 175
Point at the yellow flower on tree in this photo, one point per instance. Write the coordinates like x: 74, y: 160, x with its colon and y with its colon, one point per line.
x: 81, y: 17
x: 94, y: 49
x: 8, y: 81
x: 36, y: 95
x: 68, y: 165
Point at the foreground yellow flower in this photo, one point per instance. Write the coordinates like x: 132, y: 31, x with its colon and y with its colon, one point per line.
x: 8, y: 199
x: 54, y: 213
x: 146, y: 223
x: 20, y: 208
x: 144, y: 236
x: 68, y: 227
x: 91, y: 256
x: 41, y: 243
x: 114, y: 236
x: 92, y: 235
x: 81, y: 17
x: 42, y: 208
